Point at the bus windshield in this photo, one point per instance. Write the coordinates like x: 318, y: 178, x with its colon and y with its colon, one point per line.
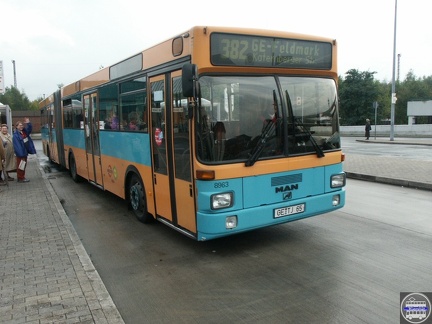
x: 250, y: 118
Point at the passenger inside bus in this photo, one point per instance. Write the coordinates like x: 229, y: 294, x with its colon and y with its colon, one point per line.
x: 134, y: 121
x: 219, y: 140
x: 112, y: 121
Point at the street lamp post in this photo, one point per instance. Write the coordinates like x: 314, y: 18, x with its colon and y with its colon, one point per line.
x: 375, y: 105
x: 393, y: 94
x: 15, y: 81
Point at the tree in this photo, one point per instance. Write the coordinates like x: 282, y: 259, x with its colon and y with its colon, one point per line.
x: 411, y: 89
x: 17, y: 100
x: 357, y: 92
x: 384, y: 102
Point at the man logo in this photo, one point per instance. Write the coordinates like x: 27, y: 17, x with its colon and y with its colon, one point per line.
x: 287, y: 195
x: 287, y: 188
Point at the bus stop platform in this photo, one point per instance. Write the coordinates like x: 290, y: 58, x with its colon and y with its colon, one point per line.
x: 46, y: 276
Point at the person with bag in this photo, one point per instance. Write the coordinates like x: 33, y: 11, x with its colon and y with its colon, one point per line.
x: 23, y: 146
x: 10, y: 162
x: 2, y: 157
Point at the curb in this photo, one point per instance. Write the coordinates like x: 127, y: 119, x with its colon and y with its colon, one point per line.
x: 394, y: 142
x: 391, y: 181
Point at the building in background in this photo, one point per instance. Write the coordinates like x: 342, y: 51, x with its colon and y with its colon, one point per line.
x: 6, y: 116
x: 2, y: 86
x: 417, y: 109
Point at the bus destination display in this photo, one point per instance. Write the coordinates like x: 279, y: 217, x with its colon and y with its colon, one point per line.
x: 246, y: 50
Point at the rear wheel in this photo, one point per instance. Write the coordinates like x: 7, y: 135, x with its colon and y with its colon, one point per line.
x: 137, y: 200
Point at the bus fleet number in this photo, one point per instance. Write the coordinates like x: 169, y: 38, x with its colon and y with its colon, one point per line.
x: 224, y: 184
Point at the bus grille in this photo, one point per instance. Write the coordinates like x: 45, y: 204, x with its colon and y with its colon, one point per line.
x: 293, y: 178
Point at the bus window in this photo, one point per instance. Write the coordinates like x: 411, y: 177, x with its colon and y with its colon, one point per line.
x: 133, y: 105
x: 235, y: 110
x: 133, y: 109
x: 312, y: 113
x: 181, y: 132
x: 108, y: 107
x: 251, y: 109
x: 158, y: 125
x: 72, y: 112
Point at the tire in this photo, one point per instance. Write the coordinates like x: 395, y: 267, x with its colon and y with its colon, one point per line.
x: 73, y: 170
x: 137, y: 200
x: 48, y: 154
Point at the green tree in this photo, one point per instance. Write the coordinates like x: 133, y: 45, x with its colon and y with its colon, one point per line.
x: 411, y: 89
x: 357, y: 92
x: 16, y: 100
x: 384, y: 102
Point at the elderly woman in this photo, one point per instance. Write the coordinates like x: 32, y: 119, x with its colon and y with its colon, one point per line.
x: 2, y: 157
x: 10, y: 161
x: 23, y: 146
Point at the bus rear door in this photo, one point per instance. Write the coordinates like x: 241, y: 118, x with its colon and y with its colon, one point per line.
x: 91, y: 126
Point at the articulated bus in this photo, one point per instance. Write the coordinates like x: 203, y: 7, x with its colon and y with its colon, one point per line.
x: 214, y: 132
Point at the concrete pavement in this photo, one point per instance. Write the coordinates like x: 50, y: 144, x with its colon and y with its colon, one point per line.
x: 396, y: 171
x: 46, y: 275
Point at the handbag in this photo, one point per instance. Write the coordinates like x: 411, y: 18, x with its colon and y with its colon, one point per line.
x: 22, y: 165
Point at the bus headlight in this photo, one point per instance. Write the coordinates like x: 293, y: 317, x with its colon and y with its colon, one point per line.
x: 338, y: 180
x: 222, y: 200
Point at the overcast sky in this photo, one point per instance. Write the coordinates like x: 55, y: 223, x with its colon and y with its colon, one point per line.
x: 60, y: 41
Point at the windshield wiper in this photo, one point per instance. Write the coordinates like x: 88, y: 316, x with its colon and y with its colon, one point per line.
x: 305, y: 130
x: 297, y: 122
x: 266, y: 133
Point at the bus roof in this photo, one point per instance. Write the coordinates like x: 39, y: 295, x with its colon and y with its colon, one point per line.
x: 163, y: 52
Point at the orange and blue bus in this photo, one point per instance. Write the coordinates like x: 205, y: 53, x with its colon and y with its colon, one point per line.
x: 213, y: 132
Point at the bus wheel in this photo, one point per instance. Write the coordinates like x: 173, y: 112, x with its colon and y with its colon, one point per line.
x: 73, y: 169
x: 137, y: 200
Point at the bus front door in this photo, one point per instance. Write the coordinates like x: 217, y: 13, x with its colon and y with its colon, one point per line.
x: 173, y: 190
x: 91, y: 126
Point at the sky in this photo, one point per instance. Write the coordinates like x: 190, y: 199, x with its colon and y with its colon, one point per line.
x: 60, y: 41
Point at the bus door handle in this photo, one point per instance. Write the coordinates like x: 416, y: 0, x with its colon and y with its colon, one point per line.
x: 154, y: 178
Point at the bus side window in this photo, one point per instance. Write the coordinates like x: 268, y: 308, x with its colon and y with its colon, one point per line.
x: 133, y: 121
x: 133, y: 108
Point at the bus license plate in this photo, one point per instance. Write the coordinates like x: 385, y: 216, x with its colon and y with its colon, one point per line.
x: 290, y: 210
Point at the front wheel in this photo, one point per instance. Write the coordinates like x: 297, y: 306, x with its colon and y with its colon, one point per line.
x: 137, y: 200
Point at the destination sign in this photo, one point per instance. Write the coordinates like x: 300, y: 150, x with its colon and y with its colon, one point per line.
x: 246, y: 50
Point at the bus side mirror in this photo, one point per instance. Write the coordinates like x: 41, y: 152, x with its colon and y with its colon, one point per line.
x: 189, y: 74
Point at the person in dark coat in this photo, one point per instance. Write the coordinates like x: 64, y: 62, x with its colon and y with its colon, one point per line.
x: 23, y: 146
x: 3, y: 158
x: 367, y: 129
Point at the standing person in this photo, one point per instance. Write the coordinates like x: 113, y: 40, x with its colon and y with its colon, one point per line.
x: 367, y: 129
x: 10, y: 161
x: 2, y: 157
x: 23, y: 146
